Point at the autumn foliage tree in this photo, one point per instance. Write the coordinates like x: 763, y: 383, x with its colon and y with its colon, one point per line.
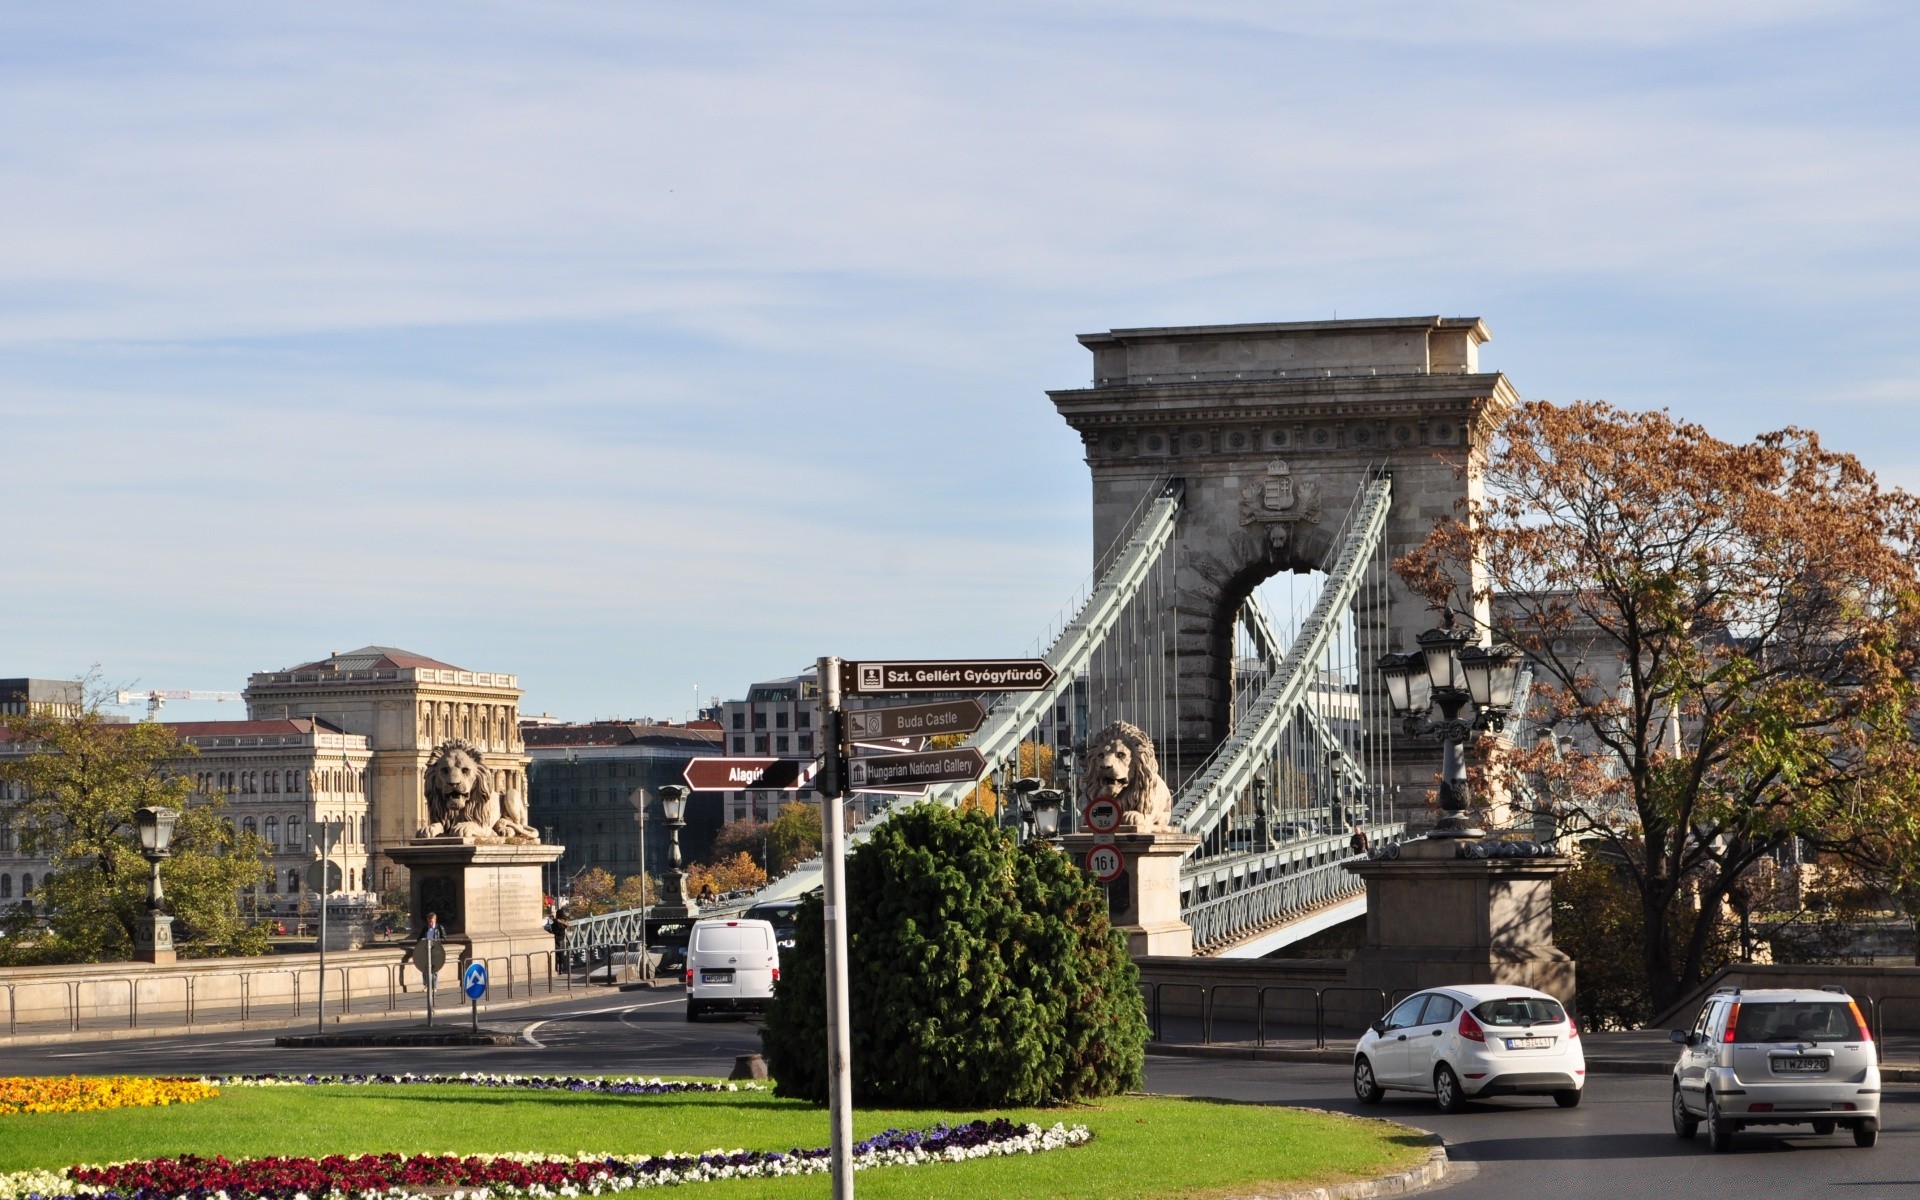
x: 1726, y: 632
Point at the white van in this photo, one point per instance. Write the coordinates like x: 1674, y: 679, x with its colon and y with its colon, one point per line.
x: 731, y: 966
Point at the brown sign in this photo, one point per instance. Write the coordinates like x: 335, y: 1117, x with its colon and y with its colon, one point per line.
x: 947, y: 675
x: 734, y: 774
x: 915, y: 720
x: 961, y: 765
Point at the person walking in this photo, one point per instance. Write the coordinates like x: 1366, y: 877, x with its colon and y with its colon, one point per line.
x: 1357, y: 844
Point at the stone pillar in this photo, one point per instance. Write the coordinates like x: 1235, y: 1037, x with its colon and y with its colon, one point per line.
x: 1436, y: 918
x: 487, y: 895
x: 153, y: 938
x: 1145, y: 902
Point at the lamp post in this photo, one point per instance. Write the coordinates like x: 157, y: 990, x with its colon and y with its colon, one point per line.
x: 1063, y: 759
x: 1020, y: 789
x: 153, y: 932
x: 1045, y: 806
x: 1430, y: 689
x: 1262, y: 822
x: 673, y: 806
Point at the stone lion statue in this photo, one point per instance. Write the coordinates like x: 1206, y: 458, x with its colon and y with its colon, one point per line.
x: 462, y: 803
x: 1121, y: 764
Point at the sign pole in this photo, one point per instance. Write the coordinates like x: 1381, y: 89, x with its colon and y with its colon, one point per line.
x: 320, y: 1007
x: 429, y: 983
x: 831, y: 785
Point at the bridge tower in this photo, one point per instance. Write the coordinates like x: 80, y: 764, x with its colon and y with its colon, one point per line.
x: 1274, y: 428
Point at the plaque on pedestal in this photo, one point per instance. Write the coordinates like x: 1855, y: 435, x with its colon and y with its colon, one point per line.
x: 153, y: 938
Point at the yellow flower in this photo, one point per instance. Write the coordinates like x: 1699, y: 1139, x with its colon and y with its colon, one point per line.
x: 77, y: 1093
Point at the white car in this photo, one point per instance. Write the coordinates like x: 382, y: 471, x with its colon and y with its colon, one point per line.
x: 1472, y: 1041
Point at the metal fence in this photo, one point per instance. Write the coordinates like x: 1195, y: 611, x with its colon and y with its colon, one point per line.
x: 1206, y: 1000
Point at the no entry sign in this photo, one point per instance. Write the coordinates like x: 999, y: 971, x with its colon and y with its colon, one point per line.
x: 1103, y: 814
x: 1105, y: 864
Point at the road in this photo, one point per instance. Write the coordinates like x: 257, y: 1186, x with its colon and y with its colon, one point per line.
x: 1615, y: 1145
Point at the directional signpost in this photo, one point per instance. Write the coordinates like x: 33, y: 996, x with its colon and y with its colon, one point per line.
x: 840, y: 773
x: 915, y: 720
x: 932, y: 766
x: 735, y: 774
x: 946, y: 675
x: 473, y: 981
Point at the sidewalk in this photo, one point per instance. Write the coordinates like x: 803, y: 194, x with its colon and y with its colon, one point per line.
x: 1634, y: 1052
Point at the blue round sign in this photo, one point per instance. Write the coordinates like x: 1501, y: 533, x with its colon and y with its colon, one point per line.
x: 473, y: 980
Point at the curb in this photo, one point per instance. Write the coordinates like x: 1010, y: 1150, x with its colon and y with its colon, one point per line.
x: 268, y: 1024
x: 422, y: 1037
x: 1404, y: 1183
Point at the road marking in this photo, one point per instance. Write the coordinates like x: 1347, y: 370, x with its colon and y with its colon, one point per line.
x: 526, y: 1035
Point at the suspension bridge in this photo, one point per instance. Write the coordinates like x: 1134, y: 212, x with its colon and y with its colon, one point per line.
x: 1226, y: 459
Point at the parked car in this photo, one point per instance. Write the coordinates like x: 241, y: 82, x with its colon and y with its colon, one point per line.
x: 778, y: 913
x: 1472, y: 1041
x: 1776, y: 1057
x: 732, y: 965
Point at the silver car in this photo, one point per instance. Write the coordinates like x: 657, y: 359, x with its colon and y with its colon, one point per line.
x: 1776, y: 1057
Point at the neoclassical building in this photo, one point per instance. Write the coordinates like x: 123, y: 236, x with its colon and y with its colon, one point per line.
x: 277, y: 778
x: 403, y: 705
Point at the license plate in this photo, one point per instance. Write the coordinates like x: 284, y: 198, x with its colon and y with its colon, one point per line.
x: 1801, y: 1065
x: 716, y: 977
x: 1529, y: 1043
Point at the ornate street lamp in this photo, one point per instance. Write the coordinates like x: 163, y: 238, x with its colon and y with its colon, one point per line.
x: 153, y: 933
x: 1046, y: 813
x: 673, y: 806
x: 1446, y: 674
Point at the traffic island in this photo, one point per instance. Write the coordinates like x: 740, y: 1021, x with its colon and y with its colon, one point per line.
x: 422, y: 1035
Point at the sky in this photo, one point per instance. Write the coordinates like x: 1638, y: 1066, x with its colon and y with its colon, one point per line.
x: 643, y: 348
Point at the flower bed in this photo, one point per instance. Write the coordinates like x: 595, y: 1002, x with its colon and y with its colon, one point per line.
x: 627, y: 1086
x: 398, y: 1177
x: 74, y: 1093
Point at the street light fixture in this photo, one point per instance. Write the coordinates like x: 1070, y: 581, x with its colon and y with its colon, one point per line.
x: 1021, y: 789
x: 1046, y: 813
x: 153, y: 933
x: 673, y: 806
x: 1447, y: 673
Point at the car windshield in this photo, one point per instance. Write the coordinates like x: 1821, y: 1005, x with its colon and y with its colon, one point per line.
x: 1796, y: 1021
x: 1520, y: 1010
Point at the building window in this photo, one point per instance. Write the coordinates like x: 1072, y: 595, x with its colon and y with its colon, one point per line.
x: 248, y: 824
x: 739, y: 745
x: 26, y: 885
x: 293, y: 781
x: 6, y: 887
x: 759, y: 720
x: 273, y: 831
x: 760, y: 744
x: 293, y: 833
x: 780, y: 744
x: 806, y: 743
x: 293, y: 883
x: 803, y: 719
x: 273, y: 883
x: 739, y: 720
x: 780, y: 720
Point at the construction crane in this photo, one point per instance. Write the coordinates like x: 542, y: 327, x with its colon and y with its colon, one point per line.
x: 157, y: 699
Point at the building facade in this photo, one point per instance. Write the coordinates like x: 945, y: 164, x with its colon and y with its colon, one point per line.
x: 276, y: 779
x: 403, y: 704
x: 776, y: 720
x: 595, y: 787
x: 22, y: 696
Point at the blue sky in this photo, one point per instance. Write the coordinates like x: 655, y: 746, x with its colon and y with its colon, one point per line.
x: 636, y: 347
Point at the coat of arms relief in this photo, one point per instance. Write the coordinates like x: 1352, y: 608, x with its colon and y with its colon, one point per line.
x: 1274, y: 501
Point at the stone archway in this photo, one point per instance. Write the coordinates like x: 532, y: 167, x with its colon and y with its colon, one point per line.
x: 1274, y: 429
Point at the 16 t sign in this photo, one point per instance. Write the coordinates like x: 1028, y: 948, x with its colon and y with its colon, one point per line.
x: 1105, y: 864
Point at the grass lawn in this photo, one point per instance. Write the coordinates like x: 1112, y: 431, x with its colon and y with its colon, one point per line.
x: 1143, y: 1145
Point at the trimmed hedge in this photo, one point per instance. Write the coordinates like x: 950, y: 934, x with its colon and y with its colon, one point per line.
x: 982, y: 973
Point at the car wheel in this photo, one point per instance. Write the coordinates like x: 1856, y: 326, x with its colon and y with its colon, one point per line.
x: 1865, y: 1134
x: 1365, y: 1087
x: 693, y: 1011
x: 1446, y: 1090
x: 1823, y: 1127
x: 1685, y: 1124
x: 1719, y: 1130
x: 1569, y: 1098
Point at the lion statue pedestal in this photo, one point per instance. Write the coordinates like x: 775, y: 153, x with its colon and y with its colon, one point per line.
x: 476, y: 863
x: 1144, y: 903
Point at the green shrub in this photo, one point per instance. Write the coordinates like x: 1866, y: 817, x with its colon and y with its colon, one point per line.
x: 982, y: 973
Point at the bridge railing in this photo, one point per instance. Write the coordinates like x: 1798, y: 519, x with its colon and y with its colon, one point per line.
x: 1312, y: 1003
x: 1233, y: 917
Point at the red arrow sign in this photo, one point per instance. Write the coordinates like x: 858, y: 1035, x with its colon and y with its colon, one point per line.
x: 733, y: 774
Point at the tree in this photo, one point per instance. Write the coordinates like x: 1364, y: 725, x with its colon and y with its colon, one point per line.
x: 728, y: 875
x: 1031, y: 760
x: 746, y: 836
x: 982, y: 973
x: 637, y: 891
x: 592, y: 893
x: 792, y: 837
x: 83, y: 777
x: 1728, y: 632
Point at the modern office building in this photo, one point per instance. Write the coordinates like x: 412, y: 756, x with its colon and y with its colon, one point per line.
x: 21, y: 696
x: 594, y: 788
x: 776, y: 720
